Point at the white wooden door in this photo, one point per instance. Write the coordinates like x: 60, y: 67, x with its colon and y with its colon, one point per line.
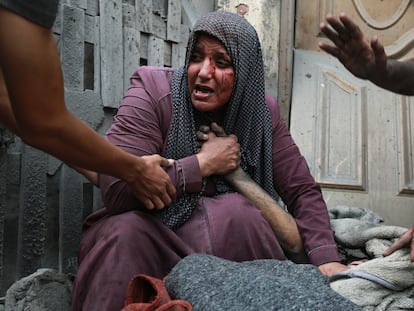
x: 357, y: 137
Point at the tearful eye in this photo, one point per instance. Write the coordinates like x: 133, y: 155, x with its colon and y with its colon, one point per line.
x: 222, y: 63
x: 195, y: 57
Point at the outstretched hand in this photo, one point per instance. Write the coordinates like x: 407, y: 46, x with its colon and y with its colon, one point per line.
x: 406, y: 240
x: 364, y: 58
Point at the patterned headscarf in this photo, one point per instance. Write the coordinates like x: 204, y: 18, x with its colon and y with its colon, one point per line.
x: 247, y: 114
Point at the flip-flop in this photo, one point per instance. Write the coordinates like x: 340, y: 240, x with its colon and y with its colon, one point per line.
x: 145, y: 293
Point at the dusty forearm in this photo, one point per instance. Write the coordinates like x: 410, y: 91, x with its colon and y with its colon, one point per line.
x: 281, y: 222
x: 398, y: 77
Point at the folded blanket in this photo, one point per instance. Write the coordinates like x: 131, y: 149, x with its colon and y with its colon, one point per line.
x: 212, y: 283
x: 354, y: 233
x: 379, y: 283
x: 364, y: 214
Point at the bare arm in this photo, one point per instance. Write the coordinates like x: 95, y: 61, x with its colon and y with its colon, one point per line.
x: 406, y: 240
x: 399, y: 77
x: 282, y: 223
x: 33, y: 77
x: 366, y: 58
x: 7, y: 118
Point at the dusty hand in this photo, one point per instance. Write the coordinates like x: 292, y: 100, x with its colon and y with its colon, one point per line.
x: 332, y: 268
x: 363, y: 57
x: 202, y: 133
x: 153, y: 186
x: 406, y: 240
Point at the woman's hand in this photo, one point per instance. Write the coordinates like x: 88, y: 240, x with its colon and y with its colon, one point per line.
x: 219, y: 154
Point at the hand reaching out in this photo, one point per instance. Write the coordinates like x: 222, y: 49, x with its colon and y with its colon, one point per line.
x: 406, y: 240
x: 364, y: 58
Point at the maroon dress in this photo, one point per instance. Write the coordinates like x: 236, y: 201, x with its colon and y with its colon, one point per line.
x: 122, y: 240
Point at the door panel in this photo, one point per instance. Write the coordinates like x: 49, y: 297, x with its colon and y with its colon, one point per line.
x: 392, y: 21
x: 356, y: 137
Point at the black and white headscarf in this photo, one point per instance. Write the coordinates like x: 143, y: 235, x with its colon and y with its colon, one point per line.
x: 247, y: 114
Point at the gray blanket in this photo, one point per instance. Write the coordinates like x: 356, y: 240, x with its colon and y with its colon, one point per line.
x: 211, y: 283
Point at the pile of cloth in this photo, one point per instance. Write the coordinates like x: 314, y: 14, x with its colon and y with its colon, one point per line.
x: 373, y: 282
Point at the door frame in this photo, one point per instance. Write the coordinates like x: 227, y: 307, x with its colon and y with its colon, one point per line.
x: 286, y: 47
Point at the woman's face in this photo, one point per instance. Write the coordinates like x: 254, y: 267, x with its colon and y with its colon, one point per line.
x: 210, y: 74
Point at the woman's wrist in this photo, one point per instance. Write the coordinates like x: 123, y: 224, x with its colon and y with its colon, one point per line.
x: 204, y: 167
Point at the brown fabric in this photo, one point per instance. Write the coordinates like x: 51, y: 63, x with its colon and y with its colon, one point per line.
x: 146, y: 293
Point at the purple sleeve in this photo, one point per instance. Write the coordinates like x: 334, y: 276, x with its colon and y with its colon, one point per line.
x: 140, y: 128
x: 299, y: 191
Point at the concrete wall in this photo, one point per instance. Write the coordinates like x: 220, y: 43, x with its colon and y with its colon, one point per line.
x: 264, y: 15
